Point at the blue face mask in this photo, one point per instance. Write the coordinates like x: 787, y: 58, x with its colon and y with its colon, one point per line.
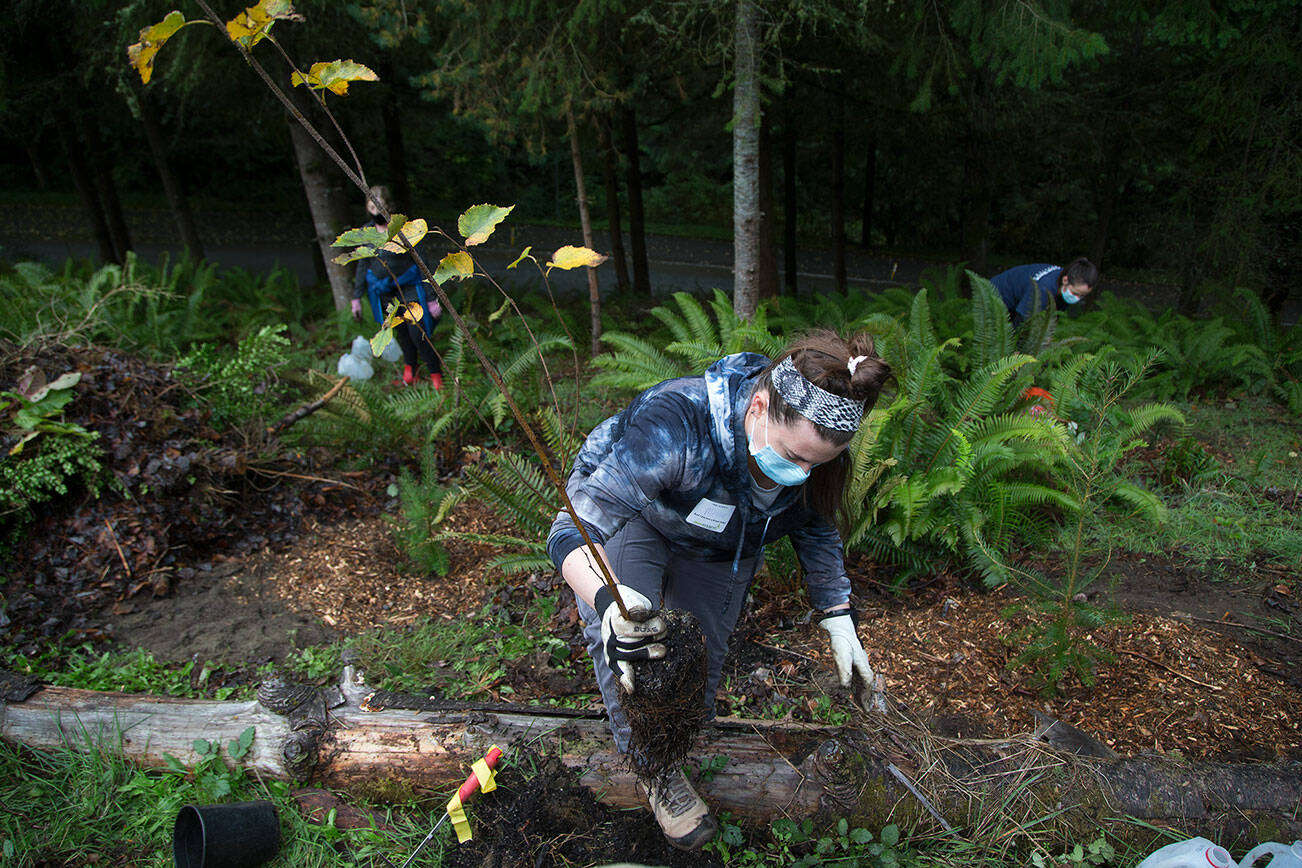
x: 774, y: 466
x: 1069, y: 296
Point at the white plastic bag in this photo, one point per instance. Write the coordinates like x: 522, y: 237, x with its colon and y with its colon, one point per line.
x: 353, y: 367
x: 392, y: 352
x: 361, y: 348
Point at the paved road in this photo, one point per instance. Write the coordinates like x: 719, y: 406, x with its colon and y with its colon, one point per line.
x: 260, y: 240
x: 675, y: 264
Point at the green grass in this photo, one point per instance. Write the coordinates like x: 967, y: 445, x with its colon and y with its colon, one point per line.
x: 461, y: 658
x: 65, y: 664
x: 1224, y: 516
x: 84, y: 804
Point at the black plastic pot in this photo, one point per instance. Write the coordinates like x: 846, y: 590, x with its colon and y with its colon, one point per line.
x: 238, y: 835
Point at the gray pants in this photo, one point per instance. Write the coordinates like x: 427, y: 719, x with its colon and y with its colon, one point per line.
x: 642, y: 559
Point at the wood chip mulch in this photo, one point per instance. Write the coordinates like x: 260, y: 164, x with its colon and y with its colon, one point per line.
x: 1171, y: 688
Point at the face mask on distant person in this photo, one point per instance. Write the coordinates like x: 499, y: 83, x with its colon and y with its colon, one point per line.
x: 1069, y: 296
x: 774, y: 466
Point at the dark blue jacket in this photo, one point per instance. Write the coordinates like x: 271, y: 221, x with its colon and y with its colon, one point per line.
x: 1018, y: 288
x: 681, y: 443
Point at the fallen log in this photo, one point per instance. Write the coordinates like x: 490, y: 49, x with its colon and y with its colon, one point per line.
x: 883, y: 769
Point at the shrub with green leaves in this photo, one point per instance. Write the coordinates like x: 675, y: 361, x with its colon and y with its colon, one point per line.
x: 239, y: 387
x: 41, y: 456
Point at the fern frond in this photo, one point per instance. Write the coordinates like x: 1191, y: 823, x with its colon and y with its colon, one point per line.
x: 1144, y: 502
x: 636, y: 364
x: 992, y: 332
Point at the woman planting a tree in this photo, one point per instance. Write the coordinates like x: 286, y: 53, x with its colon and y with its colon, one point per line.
x: 680, y: 492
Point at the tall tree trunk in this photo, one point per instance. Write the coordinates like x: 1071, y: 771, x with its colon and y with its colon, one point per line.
x: 745, y: 161
x: 789, y: 206
x: 869, y: 189
x: 326, y: 203
x: 395, y: 147
x: 838, y: 190
x: 610, y: 172
x: 768, y: 273
x: 636, y: 215
x: 81, y: 179
x: 176, y: 200
x: 585, y: 219
x: 102, y: 171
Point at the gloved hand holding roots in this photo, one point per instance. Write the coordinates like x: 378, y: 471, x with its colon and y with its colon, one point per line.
x: 630, y: 639
x: 848, y: 651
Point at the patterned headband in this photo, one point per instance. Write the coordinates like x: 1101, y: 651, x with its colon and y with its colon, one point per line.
x: 817, y: 405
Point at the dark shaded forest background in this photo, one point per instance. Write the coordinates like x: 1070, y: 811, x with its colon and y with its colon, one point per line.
x: 1160, y: 139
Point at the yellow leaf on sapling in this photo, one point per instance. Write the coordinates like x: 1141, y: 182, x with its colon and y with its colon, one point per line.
x: 334, y: 75
x: 141, y: 55
x: 250, y: 26
x: 412, y: 312
x: 400, y: 312
x: 458, y: 265
x: 479, y: 222
x: 570, y: 256
x: 413, y: 231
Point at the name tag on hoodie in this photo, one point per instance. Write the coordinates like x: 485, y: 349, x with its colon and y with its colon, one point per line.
x: 711, y: 515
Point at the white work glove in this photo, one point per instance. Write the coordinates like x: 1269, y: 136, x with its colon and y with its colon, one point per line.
x: 846, y: 648
x: 625, y: 640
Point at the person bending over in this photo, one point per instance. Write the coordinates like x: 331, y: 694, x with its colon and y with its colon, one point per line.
x: 681, y: 491
x: 1028, y: 288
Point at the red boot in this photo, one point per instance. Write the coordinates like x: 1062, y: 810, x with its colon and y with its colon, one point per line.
x: 437, y: 380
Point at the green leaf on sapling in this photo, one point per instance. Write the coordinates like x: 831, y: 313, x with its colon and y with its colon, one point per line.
x: 380, y: 340
x: 520, y: 258
x: 373, y: 236
x: 480, y: 221
x: 354, y: 254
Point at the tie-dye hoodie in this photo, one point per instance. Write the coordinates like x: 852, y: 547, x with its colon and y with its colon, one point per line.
x: 677, y: 455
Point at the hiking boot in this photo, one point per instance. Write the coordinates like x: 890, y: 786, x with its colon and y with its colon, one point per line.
x: 682, y: 816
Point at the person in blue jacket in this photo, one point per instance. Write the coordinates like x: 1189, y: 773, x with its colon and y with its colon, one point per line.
x: 681, y: 491
x: 387, y: 277
x: 1028, y: 288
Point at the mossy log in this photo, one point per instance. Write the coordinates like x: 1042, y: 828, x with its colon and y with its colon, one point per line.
x: 872, y: 773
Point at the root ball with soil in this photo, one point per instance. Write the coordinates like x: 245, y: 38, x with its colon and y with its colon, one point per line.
x: 666, y: 709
